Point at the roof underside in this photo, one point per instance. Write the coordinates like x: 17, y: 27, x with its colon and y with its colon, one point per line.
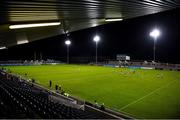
x: 73, y: 15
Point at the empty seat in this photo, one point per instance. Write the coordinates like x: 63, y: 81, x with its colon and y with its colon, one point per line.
x: 18, y: 99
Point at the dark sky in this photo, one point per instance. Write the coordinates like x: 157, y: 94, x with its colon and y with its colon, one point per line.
x: 129, y: 37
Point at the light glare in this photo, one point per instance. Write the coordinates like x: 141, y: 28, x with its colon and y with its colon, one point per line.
x: 33, y: 25
x: 3, y: 47
x: 67, y: 42
x: 22, y: 42
x: 155, y: 33
x: 96, y: 38
x: 113, y: 20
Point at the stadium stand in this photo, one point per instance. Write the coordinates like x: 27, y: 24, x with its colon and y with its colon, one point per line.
x: 144, y: 64
x: 20, y: 99
x: 30, y: 62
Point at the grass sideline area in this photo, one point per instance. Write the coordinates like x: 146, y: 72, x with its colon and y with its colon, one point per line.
x: 141, y: 93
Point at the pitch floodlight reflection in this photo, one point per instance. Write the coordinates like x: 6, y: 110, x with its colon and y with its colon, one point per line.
x: 96, y: 39
x: 154, y: 34
x: 68, y: 43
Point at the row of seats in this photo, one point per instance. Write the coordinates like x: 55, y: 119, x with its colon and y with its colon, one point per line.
x: 19, y: 99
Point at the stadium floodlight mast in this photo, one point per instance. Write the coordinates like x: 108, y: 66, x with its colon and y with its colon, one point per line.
x: 155, y: 34
x: 68, y: 43
x: 96, y: 39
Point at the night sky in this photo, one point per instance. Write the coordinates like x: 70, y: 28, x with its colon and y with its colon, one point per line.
x: 130, y: 37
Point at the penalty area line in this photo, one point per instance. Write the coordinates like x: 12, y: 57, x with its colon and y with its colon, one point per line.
x: 146, y: 95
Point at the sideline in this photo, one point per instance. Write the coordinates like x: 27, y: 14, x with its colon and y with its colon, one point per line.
x: 146, y: 95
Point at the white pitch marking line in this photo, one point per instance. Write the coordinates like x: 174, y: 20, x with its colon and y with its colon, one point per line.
x: 146, y: 95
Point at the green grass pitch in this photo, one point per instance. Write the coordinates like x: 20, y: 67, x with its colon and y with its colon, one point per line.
x: 142, y: 94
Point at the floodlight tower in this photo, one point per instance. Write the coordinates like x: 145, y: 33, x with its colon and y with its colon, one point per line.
x: 96, y: 39
x: 68, y: 43
x: 154, y: 34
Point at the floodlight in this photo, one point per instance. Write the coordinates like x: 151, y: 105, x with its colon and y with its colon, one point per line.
x: 155, y: 33
x: 67, y: 42
x: 33, y: 25
x: 96, y: 38
x: 66, y: 31
x: 2, y: 47
x: 22, y: 42
x: 94, y: 25
x: 113, y: 19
